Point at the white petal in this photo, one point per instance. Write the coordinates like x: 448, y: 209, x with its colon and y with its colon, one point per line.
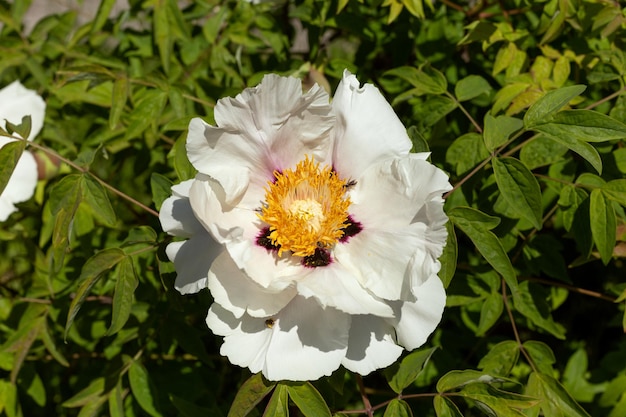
x: 16, y: 101
x: 392, y: 193
x: 192, y: 259
x: 367, y: 131
x: 21, y: 185
x: 372, y: 345
x: 238, y: 229
x: 400, y: 207
x: 266, y: 128
x: 305, y: 341
x: 417, y: 320
x: 176, y: 215
x: 225, y: 222
x: 236, y: 292
x: 382, y: 258
x: 245, y: 339
x: 336, y: 286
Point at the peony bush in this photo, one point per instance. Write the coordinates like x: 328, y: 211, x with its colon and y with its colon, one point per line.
x: 316, y: 208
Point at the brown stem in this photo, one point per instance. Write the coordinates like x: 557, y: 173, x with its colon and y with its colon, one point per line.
x: 86, y: 171
x: 366, y: 401
x: 514, y: 327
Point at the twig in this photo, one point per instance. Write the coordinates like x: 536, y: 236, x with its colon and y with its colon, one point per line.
x: 514, y: 327
x: 86, y: 171
x: 366, y: 401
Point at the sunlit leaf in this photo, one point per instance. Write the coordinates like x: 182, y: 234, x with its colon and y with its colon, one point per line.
x: 444, y: 407
x: 519, y: 188
x: 409, y: 369
x: 603, y: 224
x: 278, y: 404
x: 501, y: 358
x: 550, y: 103
x: 92, y: 271
x: 9, y: 156
x: 125, y: 286
x: 249, y: 395
x: 308, y: 399
x: 555, y: 400
x: 142, y: 389
x: 471, y: 87
x: 498, y: 129
x: 476, y: 226
x: 398, y: 408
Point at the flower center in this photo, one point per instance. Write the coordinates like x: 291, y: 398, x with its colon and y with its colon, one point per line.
x: 305, y: 208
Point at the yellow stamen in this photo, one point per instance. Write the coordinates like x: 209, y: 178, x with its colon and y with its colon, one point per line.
x: 305, y: 208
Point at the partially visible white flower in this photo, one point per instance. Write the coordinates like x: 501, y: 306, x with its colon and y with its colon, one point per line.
x: 16, y: 101
x: 316, y: 231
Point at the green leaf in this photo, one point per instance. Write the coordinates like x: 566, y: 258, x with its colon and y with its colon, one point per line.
x: 87, y: 395
x: 142, y: 389
x: 95, y: 196
x: 575, y: 378
x: 541, y: 354
x: 555, y: 400
x: 449, y: 256
x: 544, y: 108
x: 161, y: 188
x: 541, y: 151
x: 466, y: 152
x: 92, y: 409
x: 457, y: 379
x: 51, y: 346
x: 102, y: 15
x: 249, y: 395
x: 8, y: 398
x: 471, y: 87
x: 497, y: 403
x: 182, y: 166
x: 444, y: 407
x: 501, y: 358
x: 93, y: 269
x: 490, y: 312
x: 534, y: 307
x: 9, y: 156
x: 23, y: 129
x: 409, y: 369
x: 162, y: 33
x: 308, y: 400
x: 119, y: 97
x: 398, y: 408
x: 116, y: 402
x: 585, y: 125
x: 425, y: 79
x: 603, y: 224
x: 20, y: 342
x: 519, y: 188
x: 498, y: 129
x: 476, y: 225
x: 144, y: 114
x: 569, y: 200
x: 278, y: 404
x: 588, y: 152
x: 65, y: 192
x: 123, y: 298
x: 616, y: 191
x: 420, y: 144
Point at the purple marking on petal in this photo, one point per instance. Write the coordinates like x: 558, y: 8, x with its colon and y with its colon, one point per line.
x: 351, y: 228
x: 264, y: 241
x: 321, y: 257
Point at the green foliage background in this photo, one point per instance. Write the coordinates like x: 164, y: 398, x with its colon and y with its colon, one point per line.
x: 522, y: 102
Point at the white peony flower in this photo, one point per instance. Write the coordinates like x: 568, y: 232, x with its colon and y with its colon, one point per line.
x: 314, y: 228
x: 16, y: 101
